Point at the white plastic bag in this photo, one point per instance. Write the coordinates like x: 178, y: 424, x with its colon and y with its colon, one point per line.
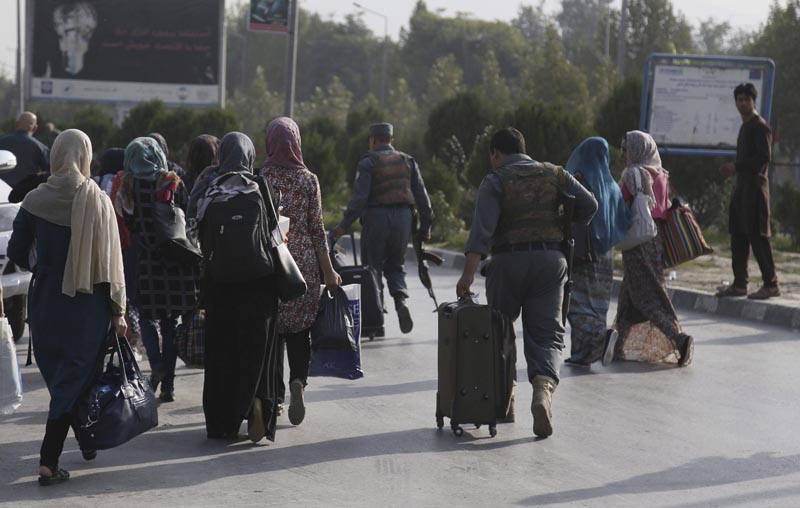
x: 10, y: 378
x: 643, y: 227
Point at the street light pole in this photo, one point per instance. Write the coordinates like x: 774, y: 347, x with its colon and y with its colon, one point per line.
x: 291, y: 59
x: 622, y: 39
x: 385, y: 48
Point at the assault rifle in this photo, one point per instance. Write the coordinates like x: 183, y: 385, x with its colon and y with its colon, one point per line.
x: 423, y: 257
x: 567, y: 202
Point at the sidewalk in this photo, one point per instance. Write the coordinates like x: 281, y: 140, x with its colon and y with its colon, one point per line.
x: 696, y: 282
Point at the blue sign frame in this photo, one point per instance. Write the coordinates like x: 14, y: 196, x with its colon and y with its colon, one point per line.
x: 719, y: 61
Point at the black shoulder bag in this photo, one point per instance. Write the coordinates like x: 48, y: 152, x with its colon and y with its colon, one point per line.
x: 119, y: 404
x: 289, y: 278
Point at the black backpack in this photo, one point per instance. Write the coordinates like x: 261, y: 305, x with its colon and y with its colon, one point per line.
x: 235, y: 233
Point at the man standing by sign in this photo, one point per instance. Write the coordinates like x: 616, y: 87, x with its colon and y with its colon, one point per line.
x: 388, y: 184
x: 748, y: 219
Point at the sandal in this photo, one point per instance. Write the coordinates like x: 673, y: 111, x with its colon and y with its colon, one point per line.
x: 58, y: 476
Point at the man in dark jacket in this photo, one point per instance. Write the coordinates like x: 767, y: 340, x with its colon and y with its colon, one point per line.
x: 32, y: 155
x: 517, y: 220
x: 388, y: 185
x: 748, y: 215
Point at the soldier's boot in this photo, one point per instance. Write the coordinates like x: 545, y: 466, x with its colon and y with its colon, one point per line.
x: 543, y: 388
x: 403, y: 314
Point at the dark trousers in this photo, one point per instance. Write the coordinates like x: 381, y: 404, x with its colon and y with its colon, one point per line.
x: 532, y: 284
x: 55, y: 434
x: 740, y: 252
x: 298, y: 350
x: 384, y: 240
x: 161, y: 358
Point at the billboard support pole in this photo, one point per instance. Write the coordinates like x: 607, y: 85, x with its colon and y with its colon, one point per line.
x: 222, y: 54
x: 291, y: 59
x: 20, y: 85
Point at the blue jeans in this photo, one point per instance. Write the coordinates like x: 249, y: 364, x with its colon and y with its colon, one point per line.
x: 161, y: 359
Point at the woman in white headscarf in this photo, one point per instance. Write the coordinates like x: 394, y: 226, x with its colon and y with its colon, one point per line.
x: 66, y: 234
x: 643, y: 295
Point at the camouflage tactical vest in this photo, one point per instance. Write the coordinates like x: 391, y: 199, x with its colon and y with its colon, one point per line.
x: 530, y: 207
x: 391, y: 179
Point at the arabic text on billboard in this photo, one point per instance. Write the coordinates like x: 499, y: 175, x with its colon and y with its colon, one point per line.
x: 269, y: 15
x: 126, y: 51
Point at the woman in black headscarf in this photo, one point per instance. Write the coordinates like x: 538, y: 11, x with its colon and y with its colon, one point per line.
x: 241, y: 345
x: 202, y: 154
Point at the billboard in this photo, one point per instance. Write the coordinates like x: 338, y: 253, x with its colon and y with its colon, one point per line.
x: 688, y: 104
x: 125, y: 51
x: 269, y: 15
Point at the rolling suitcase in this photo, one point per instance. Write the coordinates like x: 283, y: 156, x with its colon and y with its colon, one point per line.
x: 371, y: 305
x: 476, y: 366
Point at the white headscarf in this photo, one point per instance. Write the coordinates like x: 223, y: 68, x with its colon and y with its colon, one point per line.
x: 641, y: 153
x: 71, y: 198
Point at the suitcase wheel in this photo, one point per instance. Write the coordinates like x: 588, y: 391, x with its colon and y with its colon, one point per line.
x: 439, y: 421
x: 492, y: 430
x: 457, y: 430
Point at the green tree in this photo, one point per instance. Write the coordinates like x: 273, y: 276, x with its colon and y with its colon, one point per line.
x: 493, y: 86
x: 583, y: 31
x: 322, y: 153
x: 139, y: 122
x: 620, y: 112
x: 532, y: 23
x: 444, y: 81
x: 652, y: 27
x: 712, y: 36
x: 333, y: 102
x: 464, y: 117
x: 779, y: 39
x: 97, y: 124
x: 256, y: 106
x: 553, y: 78
x: 551, y: 130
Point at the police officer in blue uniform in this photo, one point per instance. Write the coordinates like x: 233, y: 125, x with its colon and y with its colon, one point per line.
x: 387, y: 187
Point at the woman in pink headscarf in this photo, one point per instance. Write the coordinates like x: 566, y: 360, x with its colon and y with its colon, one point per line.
x: 302, y: 203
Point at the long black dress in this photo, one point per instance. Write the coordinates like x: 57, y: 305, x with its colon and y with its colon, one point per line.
x: 241, y: 354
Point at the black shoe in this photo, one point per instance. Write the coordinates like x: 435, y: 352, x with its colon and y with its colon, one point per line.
x: 687, y: 351
x: 609, y: 343
x: 167, y: 397
x: 575, y: 362
x: 404, y: 315
x: 155, y: 379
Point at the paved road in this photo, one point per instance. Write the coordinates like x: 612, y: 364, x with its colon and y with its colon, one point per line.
x: 720, y: 433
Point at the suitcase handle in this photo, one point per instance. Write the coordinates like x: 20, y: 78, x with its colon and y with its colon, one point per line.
x: 332, y: 244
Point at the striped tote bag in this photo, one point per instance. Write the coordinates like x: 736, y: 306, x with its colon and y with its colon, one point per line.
x: 683, y: 240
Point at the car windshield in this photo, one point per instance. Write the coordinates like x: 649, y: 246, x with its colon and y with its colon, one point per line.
x: 8, y: 212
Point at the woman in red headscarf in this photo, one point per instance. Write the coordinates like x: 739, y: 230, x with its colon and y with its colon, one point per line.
x: 302, y: 203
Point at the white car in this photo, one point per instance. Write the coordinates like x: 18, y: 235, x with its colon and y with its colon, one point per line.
x: 15, y: 280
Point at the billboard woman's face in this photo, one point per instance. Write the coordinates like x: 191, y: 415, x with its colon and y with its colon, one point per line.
x: 74, y: 25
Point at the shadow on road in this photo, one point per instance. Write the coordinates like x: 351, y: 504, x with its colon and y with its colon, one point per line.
x: 183, y: 459
x: 701, y: 473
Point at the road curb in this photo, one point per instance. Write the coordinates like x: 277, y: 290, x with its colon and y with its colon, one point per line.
x: 770, y: 312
